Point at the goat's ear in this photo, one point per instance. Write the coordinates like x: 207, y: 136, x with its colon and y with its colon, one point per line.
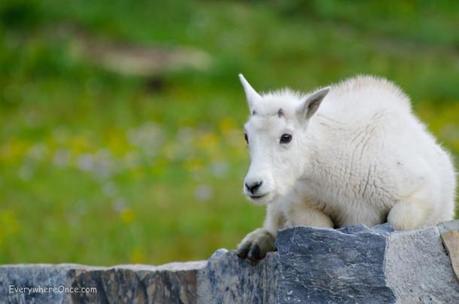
x: 251, y: 95
x: 312, y: 103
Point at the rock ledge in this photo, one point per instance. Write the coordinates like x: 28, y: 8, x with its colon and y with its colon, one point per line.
x: 355, y: 264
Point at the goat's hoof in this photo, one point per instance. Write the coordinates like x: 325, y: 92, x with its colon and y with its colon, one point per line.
x: 256, y: 245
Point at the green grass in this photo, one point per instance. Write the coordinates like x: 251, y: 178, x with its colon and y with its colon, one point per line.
x: 101, y: 168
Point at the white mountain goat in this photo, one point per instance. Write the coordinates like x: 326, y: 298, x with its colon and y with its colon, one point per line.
x: 351, y: 153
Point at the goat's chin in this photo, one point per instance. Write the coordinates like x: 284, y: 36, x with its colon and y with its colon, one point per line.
x: 264, y: 200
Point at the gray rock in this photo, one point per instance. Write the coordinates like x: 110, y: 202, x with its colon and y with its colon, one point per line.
x: 355, y: 264
x: 448, y: 226
x: 418, y: 269
x: 17, y: 283
x: 333, y: 266
x: 228, y: 279
x: 170, y: 283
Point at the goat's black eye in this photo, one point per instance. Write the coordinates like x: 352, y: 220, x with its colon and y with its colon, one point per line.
x: 285, y: 138
x: 246, y: 138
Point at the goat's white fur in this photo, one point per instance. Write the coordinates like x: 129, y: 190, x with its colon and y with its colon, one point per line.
x: 362, y: 158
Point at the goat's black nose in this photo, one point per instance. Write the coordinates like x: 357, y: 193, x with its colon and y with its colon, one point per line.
x: 253, y: 187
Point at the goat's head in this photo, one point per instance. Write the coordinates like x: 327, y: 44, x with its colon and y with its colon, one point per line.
x: 277, y: 140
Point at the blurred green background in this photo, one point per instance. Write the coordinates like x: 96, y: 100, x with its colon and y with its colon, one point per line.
x: 121, y: 121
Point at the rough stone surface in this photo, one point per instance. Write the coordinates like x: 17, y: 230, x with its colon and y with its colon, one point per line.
x: 170, y: 283
x: 451, y: 242
x: 333, y: 266
x: 418, y: 269
x: 354, y: 264
x: 449, y: 232
x: 228, y: 279
x: 17, y: 276
x: 448, y: 226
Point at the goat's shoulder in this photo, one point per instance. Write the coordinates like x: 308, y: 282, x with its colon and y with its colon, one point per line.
x: 371, y: 86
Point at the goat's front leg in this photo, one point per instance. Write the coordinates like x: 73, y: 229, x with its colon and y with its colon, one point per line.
x: 305, y: 215
x: 259, y: 242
